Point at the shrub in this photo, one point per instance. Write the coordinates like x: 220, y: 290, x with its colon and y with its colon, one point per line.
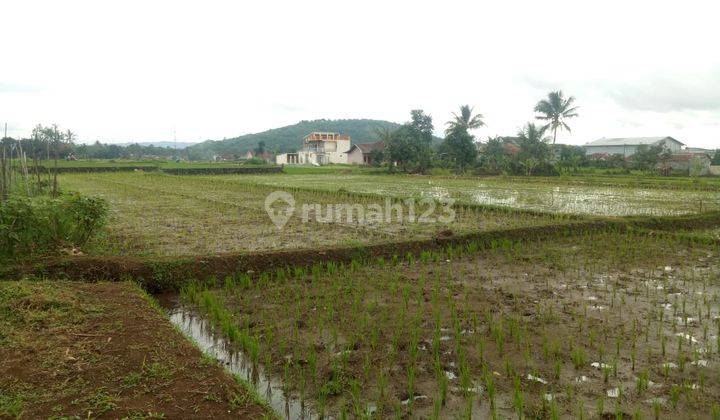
x: 255, y: 161
x: 31, y: 225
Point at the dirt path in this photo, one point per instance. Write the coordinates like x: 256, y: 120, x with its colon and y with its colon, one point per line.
x: 102, y: 351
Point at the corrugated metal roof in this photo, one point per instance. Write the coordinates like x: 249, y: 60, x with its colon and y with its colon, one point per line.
x: 629, y: 141
x: 369, y: 147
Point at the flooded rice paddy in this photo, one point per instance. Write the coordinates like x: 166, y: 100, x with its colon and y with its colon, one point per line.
x: 618, y: 325
x: 550, y: 196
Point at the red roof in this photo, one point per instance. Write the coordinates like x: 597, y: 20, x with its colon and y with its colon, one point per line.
x: 511, y: 148
x: 599, y: 156
x: 315, y: 136
x: 686, y: 157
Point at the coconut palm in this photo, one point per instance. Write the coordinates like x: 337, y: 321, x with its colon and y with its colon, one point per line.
x: 556, y: 109
x: 465, y: 121
x: 533, y: 144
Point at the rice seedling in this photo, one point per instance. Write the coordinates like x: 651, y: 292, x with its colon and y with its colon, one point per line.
x: 397, y: 329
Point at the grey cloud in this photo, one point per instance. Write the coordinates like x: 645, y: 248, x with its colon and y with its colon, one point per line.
x: 668, y: 92
x: 698, y: 92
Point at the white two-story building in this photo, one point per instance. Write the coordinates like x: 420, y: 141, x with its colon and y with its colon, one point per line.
x: 318, y: 149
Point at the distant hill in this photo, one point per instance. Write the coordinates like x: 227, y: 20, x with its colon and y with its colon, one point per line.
x: 171, y: 144
x: 289, y: 138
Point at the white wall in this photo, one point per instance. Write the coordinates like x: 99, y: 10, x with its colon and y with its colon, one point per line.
x: 612, y: 150
x: 627, y: 150
x: 337, y: 157
x: 355, y: 157
x: 281, y: 159
x: 343, y: 146
x: 335, y: 152
x: 673, y: 146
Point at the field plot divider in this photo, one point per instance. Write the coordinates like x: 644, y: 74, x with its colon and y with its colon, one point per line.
x: 171, y: 273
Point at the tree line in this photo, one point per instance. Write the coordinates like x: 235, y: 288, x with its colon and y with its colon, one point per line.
x: 45, y: 141
x: 529, y: 152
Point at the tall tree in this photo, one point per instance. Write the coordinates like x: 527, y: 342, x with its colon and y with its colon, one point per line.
x: 647, y: 157
x: 459, y: 144
x: 260, y: 149
x: 465, y: 121
x: 409, y: 146
x: 383, y: 134
x: 555, y: 110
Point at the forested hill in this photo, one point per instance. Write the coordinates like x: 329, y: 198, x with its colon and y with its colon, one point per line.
x: 289, y: 138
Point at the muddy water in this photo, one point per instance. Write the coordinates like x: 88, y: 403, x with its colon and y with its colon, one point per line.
x: 199, y: 329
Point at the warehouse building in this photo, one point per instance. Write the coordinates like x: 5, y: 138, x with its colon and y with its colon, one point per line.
x: 627, y: 146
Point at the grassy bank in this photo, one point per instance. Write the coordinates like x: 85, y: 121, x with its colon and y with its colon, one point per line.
x: 70, y: 349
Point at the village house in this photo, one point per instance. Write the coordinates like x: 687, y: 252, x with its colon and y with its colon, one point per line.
x: 690, y: 163
x: 364, y: 153
x: 324, y: 148
x: 627, y: 146
x: 250, y: 154
x: 318, y: 149
x: 509, y: 145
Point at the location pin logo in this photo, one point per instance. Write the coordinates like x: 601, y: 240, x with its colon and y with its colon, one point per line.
x: 279, y: 216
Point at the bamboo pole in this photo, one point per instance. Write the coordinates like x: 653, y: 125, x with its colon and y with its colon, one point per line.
x: 3, y: 176
x: 56, y: 146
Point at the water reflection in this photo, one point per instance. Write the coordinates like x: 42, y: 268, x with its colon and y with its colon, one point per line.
x: 199, y: 329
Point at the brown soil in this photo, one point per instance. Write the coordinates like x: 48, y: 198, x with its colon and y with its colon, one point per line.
x: 101, y: 351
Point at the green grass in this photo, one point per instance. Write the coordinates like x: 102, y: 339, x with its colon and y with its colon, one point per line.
x: 158, y: 214
x: 332, y: 169
x: 159, y: 163
x: 711, y: 235
x: 98, y: 163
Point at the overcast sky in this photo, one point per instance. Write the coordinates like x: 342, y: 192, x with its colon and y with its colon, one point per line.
x: 126, y: 70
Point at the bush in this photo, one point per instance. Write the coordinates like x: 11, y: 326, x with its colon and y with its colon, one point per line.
x: 546, y: 169
x: 254, y: 161
x: 41, y: 224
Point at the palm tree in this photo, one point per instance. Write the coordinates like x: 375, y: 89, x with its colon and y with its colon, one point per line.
x: 533, y: 144
x: 555, y: 110
x: 465, y: 121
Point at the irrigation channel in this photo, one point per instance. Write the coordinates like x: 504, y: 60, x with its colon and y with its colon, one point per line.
x: 199, y: 329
